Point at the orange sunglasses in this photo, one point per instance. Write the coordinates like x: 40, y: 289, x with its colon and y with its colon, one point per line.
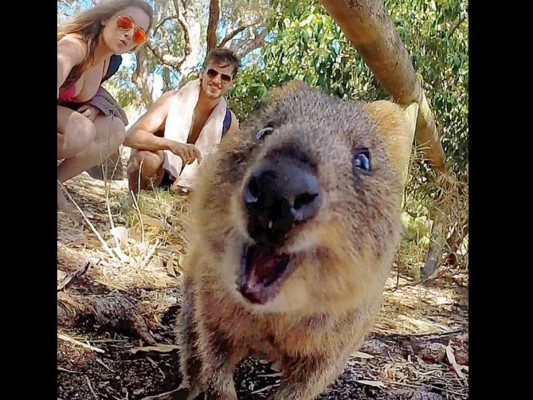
x: 126, y: 23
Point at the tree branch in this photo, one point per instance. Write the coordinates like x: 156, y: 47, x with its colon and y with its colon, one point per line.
x: 160, y: 23
x: 185, y: 28
x: 367, y: 24
x: 166, y: 59
x: 231, y: 35
x: 458, y: 23
x: 246, y: 46
x: 214, y: 14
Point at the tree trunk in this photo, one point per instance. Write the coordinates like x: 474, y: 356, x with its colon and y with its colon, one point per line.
x: 434, y: 253
x: 214, y: 13
x: 190, y: 61
x: 142, y: 77
x: 368, y: 26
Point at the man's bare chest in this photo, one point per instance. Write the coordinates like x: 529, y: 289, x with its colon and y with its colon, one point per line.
x: 198, y: 122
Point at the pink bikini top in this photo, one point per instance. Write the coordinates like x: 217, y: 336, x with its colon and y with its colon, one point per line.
x: 67, y: 94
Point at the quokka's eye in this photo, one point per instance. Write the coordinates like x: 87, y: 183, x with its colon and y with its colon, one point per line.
x: 361, y: 160
x: 263, y: 133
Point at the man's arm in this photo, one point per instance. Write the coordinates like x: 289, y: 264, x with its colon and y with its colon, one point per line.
x: 141, y: 135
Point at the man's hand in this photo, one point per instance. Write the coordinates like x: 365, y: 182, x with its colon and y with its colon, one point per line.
x: 90, y: 112
x: 187, y: 152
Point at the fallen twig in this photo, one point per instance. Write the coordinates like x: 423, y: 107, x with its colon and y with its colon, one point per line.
x: 136, y: 205
x: 71, y: 277
x: 74, y: 341
x: 67, y: 370
x: 264, y: 389
x: 104, y: 365
x: 273, y: 375
x: 90, y: 387
x: 156, y: 366
x: 150, y: 253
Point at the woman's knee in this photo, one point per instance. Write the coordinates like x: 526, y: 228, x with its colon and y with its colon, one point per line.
x: 118, y: 131
x: 79, y: 133
x: 82, y: 128
x: 111, y: 129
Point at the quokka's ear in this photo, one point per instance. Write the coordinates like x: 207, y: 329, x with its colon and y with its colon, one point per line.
x: 396, y: 126
x: 285, y: 93
x: 285, y: 90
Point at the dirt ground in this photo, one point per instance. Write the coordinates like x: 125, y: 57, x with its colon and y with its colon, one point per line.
x: 119, y: 292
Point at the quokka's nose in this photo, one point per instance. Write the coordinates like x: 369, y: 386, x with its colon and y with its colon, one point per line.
x: 279, y: 193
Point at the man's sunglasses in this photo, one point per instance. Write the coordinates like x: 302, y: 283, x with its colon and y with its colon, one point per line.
x: 212, y: 73
x: 126, y: 23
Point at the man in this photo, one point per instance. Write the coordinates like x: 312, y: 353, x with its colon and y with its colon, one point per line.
x: 170, y: 139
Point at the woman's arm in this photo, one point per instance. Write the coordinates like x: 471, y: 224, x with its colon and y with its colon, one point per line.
x: 71, y: 51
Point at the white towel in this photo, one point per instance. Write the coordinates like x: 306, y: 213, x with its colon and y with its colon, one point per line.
x: 177, y: 128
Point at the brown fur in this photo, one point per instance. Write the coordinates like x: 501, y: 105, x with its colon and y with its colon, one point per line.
x: 341, y: 256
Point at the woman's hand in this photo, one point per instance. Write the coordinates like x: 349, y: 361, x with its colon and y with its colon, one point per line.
x: 89, y: 111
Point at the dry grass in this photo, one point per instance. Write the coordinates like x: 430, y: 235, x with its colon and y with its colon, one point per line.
x: 429, y: 195
x: 144, y: 233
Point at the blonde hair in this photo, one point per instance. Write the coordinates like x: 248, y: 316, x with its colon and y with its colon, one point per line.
x: 88, y: 25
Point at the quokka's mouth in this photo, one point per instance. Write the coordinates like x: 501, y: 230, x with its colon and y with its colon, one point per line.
x: 262, y: 272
